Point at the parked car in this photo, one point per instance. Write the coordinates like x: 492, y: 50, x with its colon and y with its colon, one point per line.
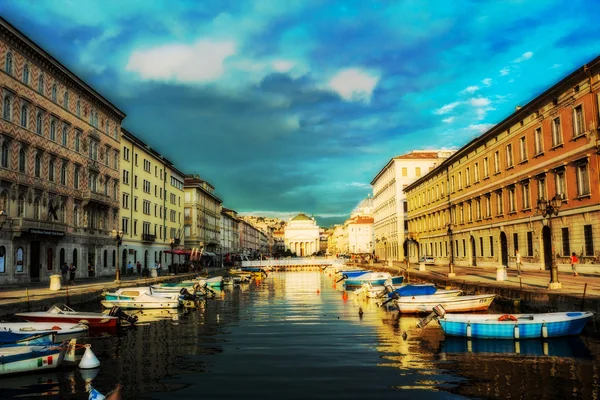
x: 428, y: 260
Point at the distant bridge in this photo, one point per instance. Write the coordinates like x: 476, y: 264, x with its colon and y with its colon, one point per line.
x: 293, y: 263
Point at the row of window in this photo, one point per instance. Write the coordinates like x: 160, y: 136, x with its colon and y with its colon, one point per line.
x: 146, y: 228
x: 94, y: 120
x: 158, y: 192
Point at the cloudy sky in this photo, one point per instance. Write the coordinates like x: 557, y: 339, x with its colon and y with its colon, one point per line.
x: 290, y: 106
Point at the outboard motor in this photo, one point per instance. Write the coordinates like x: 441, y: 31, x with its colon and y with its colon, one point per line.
x: 185, y: 295
x: 117, y: 312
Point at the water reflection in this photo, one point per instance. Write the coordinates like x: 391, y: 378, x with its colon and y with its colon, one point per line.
x: 293, y: 336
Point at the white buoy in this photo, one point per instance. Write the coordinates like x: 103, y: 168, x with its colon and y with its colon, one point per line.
x: 517, y: 333
x: 70, y: 354
x: 544, y: 330
x: 468, y: 330
x: 89, y: 360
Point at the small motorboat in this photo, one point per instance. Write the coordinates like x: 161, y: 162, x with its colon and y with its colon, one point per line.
x: 138, y: 302
x: 425, y: 304
x: 353, y: 273
x: 62, y: 330
x: 514, y: 326
x: 8, y: 338
x: 61, y: 313
x: 215, y: 282
x: 132, y: 292
x: 17, y: 359
x: 374, y: 278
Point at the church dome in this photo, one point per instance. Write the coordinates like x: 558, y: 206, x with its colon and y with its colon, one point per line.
x: 301, y: 217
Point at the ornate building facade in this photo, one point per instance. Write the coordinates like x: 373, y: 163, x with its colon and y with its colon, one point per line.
x: 59, y: 166
x: 202, y: 215
x: 302, y: 235
x: 151, y: 204
x: 389, y: 199
x: 481, y: 205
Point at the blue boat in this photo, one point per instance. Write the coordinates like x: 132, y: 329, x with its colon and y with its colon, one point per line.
x: 515, y: 326
x: 12, y: 338
x: 354, y: 273
x: 415, y: 290
x: 374, y: 278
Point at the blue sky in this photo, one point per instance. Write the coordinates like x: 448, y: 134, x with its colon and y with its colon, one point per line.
x: 290, y: 106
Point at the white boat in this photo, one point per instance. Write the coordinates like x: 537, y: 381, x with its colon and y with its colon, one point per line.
x: 141, y: 302
x: 17, y: 359
x: 131, y: 292
x: 62, y: 330
x: 425, y: 304
x: 374, y: 278
x: 60, y: 313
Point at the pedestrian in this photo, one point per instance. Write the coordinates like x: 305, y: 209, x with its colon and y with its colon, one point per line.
x: 159, y: 268
x: 138, y: 266
x: 574, y: 260
x: 64, y: 270
x: 519, y: 263
x: 72, y: 270
x: 129, y: 269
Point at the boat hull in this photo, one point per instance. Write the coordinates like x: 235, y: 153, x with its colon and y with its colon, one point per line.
x: 527, y: 326
x: 420, y: 304
x: 104, y: 322
x: 130, y: 304
x: 62, y: 331
x: 20, y: 359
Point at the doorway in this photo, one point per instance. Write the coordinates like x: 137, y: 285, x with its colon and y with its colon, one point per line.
x: 547, y: 243
x: 504, y: 249
x: 34, y: 265
x: 92, y: 257
x: 473, y: 252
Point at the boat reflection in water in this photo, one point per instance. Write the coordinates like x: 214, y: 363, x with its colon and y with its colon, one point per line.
x: 25, y: 386
x: 557, y: 347
x: 153, y: 315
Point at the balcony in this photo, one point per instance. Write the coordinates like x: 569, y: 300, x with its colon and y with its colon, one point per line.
x: 52, y: 228
x: 89, y: 196
x: 93, y: 165
x: 148, y: 238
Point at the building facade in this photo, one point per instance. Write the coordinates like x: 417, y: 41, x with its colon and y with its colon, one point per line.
x: 202, y: 215
x: 59, y: 166
x: 481, y: 205
x: 389, y: 199
x: 151, y: 204
x: 249, y: 239
x: 230, y: 232
x: 360, y: 234
x: 302, y: 235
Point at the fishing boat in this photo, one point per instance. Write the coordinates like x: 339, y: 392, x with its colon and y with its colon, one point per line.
x: 138, y: 302
x: 62, y: 330
x: 374, y: 278
x: 60, y: 313
x: 425, y: 304
x: 17, y: 359
x: 514, y: 326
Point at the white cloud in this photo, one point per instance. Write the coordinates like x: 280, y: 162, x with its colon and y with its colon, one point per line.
x: 359, y: 185
x: 524, y: 57
x: 505, y: 71
x: 282, y: 65
x: 448, y: 120
x: 202, y: 61
x: 480, y: 101
x: 470, y: 89
x: 354, y: 84
x: 479, y: 127
x: 487, y: 81
x: 445, y: 109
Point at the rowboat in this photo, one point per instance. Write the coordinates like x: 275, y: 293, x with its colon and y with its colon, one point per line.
x: 15, y: 359
x: 374, y: 278
x: 142, y: 301
x: 425, y: 304
x: 132, y: 292
x: 62, y: 330
x: 61, y: 313
x: 8, y: 338
x: 514, y: 326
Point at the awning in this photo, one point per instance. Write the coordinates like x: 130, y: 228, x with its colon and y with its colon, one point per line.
x: 178, y: 252
x: 208, y: 253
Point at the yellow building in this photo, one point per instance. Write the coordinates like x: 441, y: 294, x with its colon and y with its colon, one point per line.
x: 202, y: 216
x: 151, y: 204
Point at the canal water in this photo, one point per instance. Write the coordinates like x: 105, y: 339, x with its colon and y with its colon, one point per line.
x: 297, y: 335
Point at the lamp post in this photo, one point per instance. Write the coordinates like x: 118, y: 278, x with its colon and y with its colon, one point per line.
x: 451, y: 263
x: 383, y: 239
x: 549, y: 209
x: 172, y: 244
x: 118, y: 236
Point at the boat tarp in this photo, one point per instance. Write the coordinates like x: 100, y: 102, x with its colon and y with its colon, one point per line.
x: 416, y: 290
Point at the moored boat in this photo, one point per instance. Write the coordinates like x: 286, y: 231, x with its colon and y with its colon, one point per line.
x: 9, y: 338
x: 514, y: 326
x: 374, y: 278
x: 425, y: 304
x: 142, y: 301
x: 62, y: 313
x: 17, y: 359
x: 62, y: 330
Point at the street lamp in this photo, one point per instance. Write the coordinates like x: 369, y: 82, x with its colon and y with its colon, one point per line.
x: 451, y: 264
x: 118, y: 236
x: 172, y: 244
x: 549, y: 209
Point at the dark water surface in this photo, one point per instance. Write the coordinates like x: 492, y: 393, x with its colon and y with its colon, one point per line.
x: 294, y: 336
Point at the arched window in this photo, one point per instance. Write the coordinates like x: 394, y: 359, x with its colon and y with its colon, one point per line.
x: 37, y: 166
x: 63, y: 173
x: 53, y: 130
x: 36, y: 208
x: 24, y: 115
x: 19, y: 260
x: 78, y: 108
x: 77, y: 141
x: 61, y: 257
x: 115, y: 190
x: 66, y: 100
x: 63, y: 214
x: 7, y: 108
x: 2, y: 259
x: 8, y: 65
x: 41, y: 84
x: 114, y: 258
x: 75, y: 259
x: 51, y: 171
x: 26, y: 74
x: 65, y: 136
x: 76, y: 178
x: 21, y: 206
x: 105, y: 258
x: 39, y: 124
x: 22, y: 160
x: 54, y: 95
x: 76, y: 216
x: 50, y: 260
x: 92, y: 118
x: 4, y: 154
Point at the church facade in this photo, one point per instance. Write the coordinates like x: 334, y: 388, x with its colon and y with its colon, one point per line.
x: 302, y: 235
